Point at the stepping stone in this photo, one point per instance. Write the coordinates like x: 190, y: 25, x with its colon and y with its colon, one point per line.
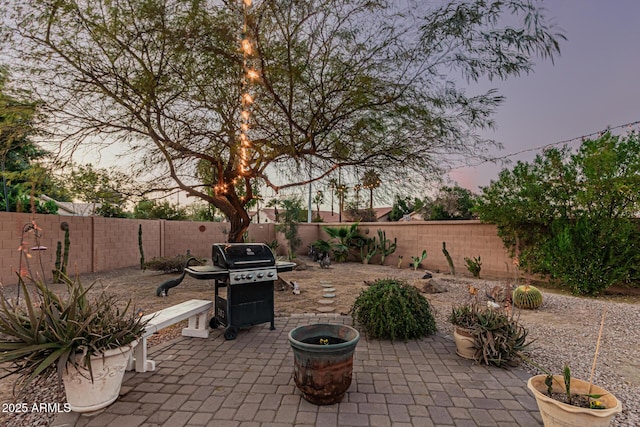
x: 329, y: 289
x: 325, y: 301
x: 325, y: 309
x: 329, y: 296
x: 327, y: 285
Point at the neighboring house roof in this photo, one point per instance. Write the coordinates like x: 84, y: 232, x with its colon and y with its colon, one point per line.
x: 267, y: 215
x: 73, y: 208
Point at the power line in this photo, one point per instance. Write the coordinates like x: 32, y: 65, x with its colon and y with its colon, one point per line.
x: 553, y: 144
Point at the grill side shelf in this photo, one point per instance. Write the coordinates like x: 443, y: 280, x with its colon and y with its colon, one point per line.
x: 207, y: 272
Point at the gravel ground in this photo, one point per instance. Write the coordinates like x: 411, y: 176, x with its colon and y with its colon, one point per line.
x: 564, y: 331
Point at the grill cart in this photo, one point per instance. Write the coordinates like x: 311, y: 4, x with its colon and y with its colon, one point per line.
x: 248, y: 272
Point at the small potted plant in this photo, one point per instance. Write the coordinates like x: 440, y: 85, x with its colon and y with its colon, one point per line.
x: 323, y: 360
x: 87, y: 340
x: 463, y: 317
x: 491, y: 335
x: 570, y: 402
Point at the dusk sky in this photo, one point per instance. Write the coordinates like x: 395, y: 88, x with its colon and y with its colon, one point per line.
x: 594, y: 84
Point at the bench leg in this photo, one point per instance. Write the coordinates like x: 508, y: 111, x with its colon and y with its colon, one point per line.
x: 197, y: 326
x: 138, y: 359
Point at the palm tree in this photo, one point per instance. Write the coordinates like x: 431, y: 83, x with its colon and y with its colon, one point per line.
x: 371, y: 180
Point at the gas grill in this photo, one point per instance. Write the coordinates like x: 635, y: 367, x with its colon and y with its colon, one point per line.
x: 248, y: 272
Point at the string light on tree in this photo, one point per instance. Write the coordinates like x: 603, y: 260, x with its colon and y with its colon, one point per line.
x: 250, y: 75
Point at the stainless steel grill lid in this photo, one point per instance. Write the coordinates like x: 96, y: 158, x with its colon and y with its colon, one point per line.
x: 242, y: 255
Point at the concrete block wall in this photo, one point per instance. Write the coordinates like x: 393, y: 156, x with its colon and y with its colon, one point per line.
x: 99, y: 244
x: 463, y: 239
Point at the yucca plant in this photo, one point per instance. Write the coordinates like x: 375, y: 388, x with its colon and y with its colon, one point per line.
x: 47, y: 331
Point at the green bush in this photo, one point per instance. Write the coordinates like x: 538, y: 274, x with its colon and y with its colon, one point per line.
x: 589, y: 255
x: 393, y: 309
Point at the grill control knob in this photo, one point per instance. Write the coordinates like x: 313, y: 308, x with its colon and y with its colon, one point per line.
x: 270, y: 274
x: 249, y: 276
x: 237, y: 277
x: 260, y: 275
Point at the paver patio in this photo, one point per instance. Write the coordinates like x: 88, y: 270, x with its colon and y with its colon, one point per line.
x: 249, y: 382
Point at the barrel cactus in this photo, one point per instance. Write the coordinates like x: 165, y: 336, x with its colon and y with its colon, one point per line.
x: 527, y: 297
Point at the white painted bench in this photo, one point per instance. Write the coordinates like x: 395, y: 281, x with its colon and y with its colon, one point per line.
x: 195, y: 310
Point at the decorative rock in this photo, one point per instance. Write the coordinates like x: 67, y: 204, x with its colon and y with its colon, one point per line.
x: 432, y: 286
x: 325, y: 309
x: 300, y: 266
x: 329, y: 289
x: 325, y: 301
x: 329, y: 296
x: 327, y: 285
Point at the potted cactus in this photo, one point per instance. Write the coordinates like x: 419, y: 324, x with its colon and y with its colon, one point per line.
x: 87, y: 340
x: 565, y: 401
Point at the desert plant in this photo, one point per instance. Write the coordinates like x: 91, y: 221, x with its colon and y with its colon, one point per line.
x: 464, y: 315
x: 58, y: 263
x: 385, y: 245
x: 55, y: 332
x: 527, y: 297
x: 448, y: 257
x: 369, y: 249
x: 273, y: 245
x: 67, y: 244
x: 416, y: 260
x: 474, y: 265
x: 171, y: 264
x: 393, y: 309
x: 344, y: 238
x: 289, y: 224
x: 142, y: 266
x: 499, y: 338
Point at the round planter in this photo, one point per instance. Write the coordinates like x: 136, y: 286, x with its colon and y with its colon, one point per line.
x: 108, y: 372
x: 464, y: 343
x: 323, y: 372
x: 555, y: 413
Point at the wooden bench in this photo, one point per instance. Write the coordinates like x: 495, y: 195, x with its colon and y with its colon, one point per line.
x: 195, y: 310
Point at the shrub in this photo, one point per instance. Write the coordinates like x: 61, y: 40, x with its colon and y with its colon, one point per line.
x: 393, y: 309
x: 171, y: 264
x: 589, y: 255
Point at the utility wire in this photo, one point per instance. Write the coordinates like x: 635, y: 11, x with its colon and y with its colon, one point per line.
x: 553, y: 144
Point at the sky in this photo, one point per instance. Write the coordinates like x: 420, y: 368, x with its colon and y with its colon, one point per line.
x: 594, y: 84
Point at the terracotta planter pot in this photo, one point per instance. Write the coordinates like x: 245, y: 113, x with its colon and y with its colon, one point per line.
x: 555, y: 413
x: 323, y: 372
x: 108, y: 373
x: 464, y: 343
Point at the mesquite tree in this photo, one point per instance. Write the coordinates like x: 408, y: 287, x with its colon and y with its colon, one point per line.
x: 350, y: 84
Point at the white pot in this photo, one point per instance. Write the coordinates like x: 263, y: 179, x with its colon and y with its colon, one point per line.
x: 559, y: 414
x: 108, y: 373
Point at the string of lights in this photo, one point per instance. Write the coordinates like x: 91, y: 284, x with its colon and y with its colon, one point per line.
x: 249, y: 76
x: 598, y: 134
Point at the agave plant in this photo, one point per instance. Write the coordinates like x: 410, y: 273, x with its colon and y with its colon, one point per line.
x: 47, y: 331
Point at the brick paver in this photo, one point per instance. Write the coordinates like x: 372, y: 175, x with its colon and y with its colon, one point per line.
x: 248, y: 382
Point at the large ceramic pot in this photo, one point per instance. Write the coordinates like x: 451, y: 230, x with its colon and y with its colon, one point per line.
x: 108, y: 369
x: 559, y: 414
x: 465, y: 343
x: 323, y: 360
